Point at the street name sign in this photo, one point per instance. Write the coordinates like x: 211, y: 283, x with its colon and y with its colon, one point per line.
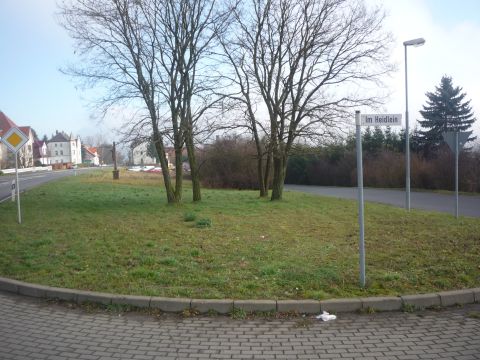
x: 14, y: 139
x: 381, y: 120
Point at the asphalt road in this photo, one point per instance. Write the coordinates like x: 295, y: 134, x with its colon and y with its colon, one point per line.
x: 32, y: 179
x: 469, y: 205
x: 34, y: 329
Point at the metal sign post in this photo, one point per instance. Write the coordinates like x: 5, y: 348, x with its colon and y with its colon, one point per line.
x: 367, y: 120
x: 456, y: 141
x: 360, y: 198
x: 13, y: 191
x: 17, y: 187
x: 14, y: 139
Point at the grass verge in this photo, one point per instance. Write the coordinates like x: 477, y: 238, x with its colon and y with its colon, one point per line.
x: 89, y: 232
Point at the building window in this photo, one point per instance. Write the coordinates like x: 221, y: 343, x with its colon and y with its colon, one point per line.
x: 61, y: 145
x: 56, y: 145
x: 61, y: 152
x: 56, y: 153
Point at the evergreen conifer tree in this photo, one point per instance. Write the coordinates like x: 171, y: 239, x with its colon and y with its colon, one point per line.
x: 446, y: 110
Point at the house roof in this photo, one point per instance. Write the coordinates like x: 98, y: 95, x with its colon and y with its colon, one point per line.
x: 5, y: 123
x: 91, y: 150
x: 26, y: 130
x: 60, y: 136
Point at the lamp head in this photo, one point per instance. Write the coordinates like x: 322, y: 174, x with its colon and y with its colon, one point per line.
x: 414, y: 42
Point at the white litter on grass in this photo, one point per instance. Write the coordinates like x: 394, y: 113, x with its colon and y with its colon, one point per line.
x: 325, y: 316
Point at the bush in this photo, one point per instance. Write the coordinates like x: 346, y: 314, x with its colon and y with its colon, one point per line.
x: 189, y: 216
x: 386, y: 169
x: 204, y: 223
x: 229, y: 163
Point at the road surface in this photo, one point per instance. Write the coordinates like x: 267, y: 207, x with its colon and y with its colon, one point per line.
x: 33, y: 329
x: 469, y: 205
x: 32, y: 179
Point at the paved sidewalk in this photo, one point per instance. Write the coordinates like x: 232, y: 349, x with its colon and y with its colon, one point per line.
x: 33, y: 329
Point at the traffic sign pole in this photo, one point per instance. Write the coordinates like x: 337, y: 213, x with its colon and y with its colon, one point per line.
x: 456, y: 174
x: 360, y: 198
x: 15, y: 139
x: 456, y: 140
x: 17, y: 188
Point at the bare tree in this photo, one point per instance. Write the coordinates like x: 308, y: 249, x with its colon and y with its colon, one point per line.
x: 118, y: 48
x: 307, y: 61
x: 153, y: 55
x: 185, y: 38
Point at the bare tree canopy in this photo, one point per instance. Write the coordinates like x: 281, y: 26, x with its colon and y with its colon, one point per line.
x: 304, y: 63
x: 156, y: 57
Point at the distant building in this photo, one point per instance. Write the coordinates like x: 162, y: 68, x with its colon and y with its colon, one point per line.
x: 64, y: 149
x: 25, y: 154
x: 5, y: 124
x: 90, y: 156
x: 40, y: 153
x: 140, y: 156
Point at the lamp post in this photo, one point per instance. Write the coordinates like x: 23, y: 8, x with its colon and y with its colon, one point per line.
x: 414, y: 42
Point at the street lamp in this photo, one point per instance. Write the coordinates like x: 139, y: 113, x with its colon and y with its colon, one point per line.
x: 414, y: 42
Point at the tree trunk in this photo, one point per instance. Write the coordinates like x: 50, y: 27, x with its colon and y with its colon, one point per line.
x: 178, y: 174
x: 164, y: 164
x: 279, y: 163
x: 197, y: 196
x: 268, y: 168
x: 261, y: 183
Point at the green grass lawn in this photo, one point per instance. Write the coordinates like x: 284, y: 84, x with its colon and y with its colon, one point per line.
x: 88, y: 232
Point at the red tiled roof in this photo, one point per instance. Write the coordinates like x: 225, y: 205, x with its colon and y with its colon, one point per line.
x: 26, y: 130
x: 91, y: 150
x: 5, y: 123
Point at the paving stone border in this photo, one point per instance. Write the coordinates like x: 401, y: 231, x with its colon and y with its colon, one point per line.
x: 389, y: 303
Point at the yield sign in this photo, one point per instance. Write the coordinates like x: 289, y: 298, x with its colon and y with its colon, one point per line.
x: 449, y: 138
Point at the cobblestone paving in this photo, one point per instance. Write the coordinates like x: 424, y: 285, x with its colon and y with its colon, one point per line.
x: 33, y: 329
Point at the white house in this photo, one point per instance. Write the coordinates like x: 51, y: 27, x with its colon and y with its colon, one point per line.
x: 90, y: 156
x: 64, y: 149
x: 40, y: 153
x: 140, y: 155
x: 26, y: 152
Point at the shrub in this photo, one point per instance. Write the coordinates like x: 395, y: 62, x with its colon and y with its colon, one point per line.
x: 189, y: 216
x: 229, y: 163
x: 203, y: 223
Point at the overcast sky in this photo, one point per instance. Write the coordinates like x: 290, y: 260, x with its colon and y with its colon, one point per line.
x: 33, y: 47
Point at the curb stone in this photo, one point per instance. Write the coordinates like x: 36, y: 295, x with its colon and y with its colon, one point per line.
x: 132, y: 300
x: 476, y: 294
x: 95, y: 297
x: 170, y: 304
x: 61, y: 294
x: 219, y: 306
x: 299, y: 306
x: 422, y: 301
x: 388, y: 303
x: 460, y: 297
x: 255, y: 305
x: 341, y: 305
x: 9, y: 285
